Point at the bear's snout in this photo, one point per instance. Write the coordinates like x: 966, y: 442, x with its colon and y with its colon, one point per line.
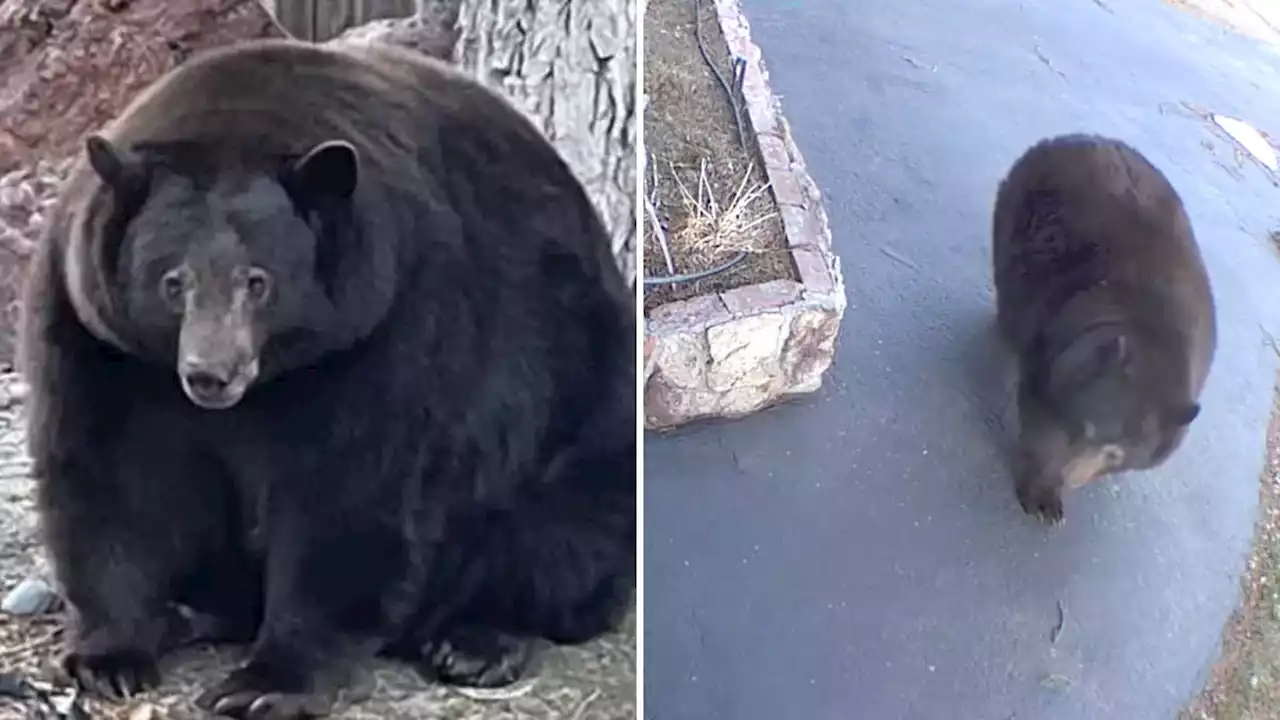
x: 216, y: 385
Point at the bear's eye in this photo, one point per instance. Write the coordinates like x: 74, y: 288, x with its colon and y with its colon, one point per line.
x: 258, y: 283
x: 172, y: 285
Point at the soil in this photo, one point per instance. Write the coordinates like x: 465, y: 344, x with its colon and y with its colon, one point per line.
x: 689, y: 120
x: 595, y: 680
x: 1245, y: 683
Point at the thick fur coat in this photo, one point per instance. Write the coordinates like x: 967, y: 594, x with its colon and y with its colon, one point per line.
x: 328, y: 350
x: 1102, y: 294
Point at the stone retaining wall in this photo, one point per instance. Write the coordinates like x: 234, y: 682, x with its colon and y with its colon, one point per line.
x: 733, y: 353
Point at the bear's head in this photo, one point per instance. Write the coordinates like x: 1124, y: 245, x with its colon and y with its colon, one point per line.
x: 1123, y: 404
x: 218, y: 265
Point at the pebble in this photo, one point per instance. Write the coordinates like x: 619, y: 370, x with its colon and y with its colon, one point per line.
x: 145, y: 711
x: 13, y: 686
x: 32, y: 596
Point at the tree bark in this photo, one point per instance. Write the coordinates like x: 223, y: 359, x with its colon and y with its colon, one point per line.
x: 570, y: 65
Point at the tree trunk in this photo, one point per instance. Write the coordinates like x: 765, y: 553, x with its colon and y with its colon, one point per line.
x: 570, y: 65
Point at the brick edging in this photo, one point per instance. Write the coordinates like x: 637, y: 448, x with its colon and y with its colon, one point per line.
x: 685, y: 377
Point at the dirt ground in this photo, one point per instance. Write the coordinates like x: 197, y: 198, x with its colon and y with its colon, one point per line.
x: 689, y: 125
x: 592, y: 682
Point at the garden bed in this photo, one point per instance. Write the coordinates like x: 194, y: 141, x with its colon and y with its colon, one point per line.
x: 731, y: 343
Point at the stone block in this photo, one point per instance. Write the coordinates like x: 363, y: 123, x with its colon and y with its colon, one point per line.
x: 744, y: 351
x: 752, y: 298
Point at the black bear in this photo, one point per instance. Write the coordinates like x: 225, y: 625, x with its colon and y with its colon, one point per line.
x: 1102, y: 294
x: 328, y: 348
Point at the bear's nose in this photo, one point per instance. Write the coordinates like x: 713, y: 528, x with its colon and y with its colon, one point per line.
x: 204, y: 382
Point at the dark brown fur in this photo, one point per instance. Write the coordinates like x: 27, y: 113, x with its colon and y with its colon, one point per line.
x: 427, y: 446
x: 1102, y: 294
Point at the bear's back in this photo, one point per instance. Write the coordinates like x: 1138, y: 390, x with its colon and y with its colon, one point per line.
x: 389, y: 102
x: 1084, y: 228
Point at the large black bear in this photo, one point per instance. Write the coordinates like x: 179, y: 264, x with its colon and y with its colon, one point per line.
x: 1102, y: 294
x: 328, y: 347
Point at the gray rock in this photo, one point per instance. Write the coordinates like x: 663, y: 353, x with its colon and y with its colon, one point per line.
x: 32, y: 596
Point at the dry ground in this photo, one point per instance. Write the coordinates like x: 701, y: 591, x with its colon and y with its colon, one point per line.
x: 711, y: 193
x: 592, y: 682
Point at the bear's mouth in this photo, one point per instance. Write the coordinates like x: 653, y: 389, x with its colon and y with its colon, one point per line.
x: 217, y: 392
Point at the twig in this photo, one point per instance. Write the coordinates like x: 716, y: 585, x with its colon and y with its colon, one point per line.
x: 658, y: 232
x: 582, y: 709
x: 1062, y: 622
x: 46, y: 639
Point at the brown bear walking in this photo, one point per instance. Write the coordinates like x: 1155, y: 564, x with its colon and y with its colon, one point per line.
x: 1103, y: 296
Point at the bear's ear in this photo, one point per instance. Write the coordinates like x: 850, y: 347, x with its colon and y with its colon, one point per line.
x: 1183, y: 415
x: 118, y: 168
x: 329, y: 170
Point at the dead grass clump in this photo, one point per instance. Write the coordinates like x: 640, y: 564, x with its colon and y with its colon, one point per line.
x: 710, y: 229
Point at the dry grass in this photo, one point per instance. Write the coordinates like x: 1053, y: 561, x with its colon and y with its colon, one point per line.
x: 712, y: 228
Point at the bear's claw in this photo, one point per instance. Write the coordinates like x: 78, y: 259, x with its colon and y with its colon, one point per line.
x: 1043, y: 503
x: 112, y: 674
x: 476, y: 657
x: 252, y: 693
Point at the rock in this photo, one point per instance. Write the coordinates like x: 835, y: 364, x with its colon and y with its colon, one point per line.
x: 683, y: 359
x: 433, y: 31
x: 744, y: 351
x: 742, y: 400
x: 72, y: 65
x: 736, y: 353
x: 13, y: 685
x: 762, y: 296
x: 650, y: 344
x: 32, y: 596
x: 810, y: 346
x: 25, y: 197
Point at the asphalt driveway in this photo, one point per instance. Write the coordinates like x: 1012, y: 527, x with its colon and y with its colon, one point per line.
x: 860, y: 554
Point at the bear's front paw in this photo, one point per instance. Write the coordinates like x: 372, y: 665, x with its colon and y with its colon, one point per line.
x: 1041, y: 501
x: 259, y: 692
x: 114, y: 673
x: 476, y: 657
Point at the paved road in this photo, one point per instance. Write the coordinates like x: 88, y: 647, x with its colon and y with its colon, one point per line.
x: 859, y: 554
